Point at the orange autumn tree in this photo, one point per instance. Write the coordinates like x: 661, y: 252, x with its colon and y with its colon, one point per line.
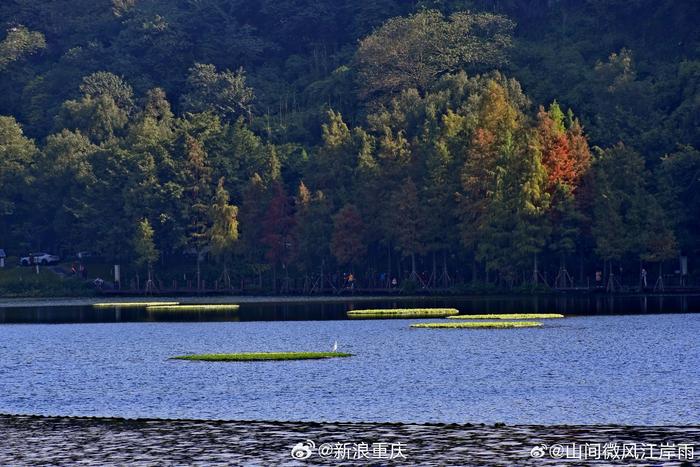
x: 277, y: 232
x: 567, y: 158
x: 503, y: 191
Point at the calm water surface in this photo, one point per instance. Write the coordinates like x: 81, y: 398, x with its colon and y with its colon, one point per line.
x: 595, y: 368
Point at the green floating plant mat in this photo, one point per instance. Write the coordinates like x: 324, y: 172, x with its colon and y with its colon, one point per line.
x: 479, y: 325
x: 133, y: 304
x: 258, y: 357
x: 404, y: 313
x: 209, y: 307
x: 510, y: 316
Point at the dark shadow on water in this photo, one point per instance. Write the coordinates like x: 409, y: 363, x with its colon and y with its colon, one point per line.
x: 320, y: 311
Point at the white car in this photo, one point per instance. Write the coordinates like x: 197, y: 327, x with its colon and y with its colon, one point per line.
x: 39, y: 258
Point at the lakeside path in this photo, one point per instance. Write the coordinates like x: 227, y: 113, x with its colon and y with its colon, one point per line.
x: 33, y: 440
x: 271, y: 299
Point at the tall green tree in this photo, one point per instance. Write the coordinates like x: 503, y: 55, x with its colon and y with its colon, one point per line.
x: 66, y: 174
x: 223, y: 233
x: 19, y: 42
x: 628, y: 220
x: 197, y: 195
x: 223, y: 93
x: 408, y: 222
x: 414, y: 51
x: 18, y: 156
x: 252, y: 214
x: 348, y: 242
x: 312, y: 230
x: 145, y: 249
x: 679, y: 180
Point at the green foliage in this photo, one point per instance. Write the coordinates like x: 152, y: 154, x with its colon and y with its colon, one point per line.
x: 347, y: 242
x: 197, y: 176
x: 99, y: 118
x: 354, y: 137
x: 679, y: 180
x: 223, y: 93
x: 313, y: 229
x: 17, y: 154
x: 24, y: 282
x: 627, y: 218
x: 105, y: 84
x: 224, y: 223
x: 414, y: 51
x: 144, y: 247
x: 19, y: 42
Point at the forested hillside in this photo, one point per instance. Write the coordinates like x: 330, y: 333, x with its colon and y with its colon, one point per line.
x: 439, y: 142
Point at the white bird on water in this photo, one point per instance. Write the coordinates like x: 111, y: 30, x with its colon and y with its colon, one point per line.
x: 335, y: 346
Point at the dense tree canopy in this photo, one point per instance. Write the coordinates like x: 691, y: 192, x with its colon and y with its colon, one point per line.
x: 281, y: 141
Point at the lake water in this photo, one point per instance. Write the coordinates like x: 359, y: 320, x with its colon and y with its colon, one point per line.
x: 596, y: 366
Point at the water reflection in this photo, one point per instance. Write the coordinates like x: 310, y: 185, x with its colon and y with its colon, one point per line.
x: 305, y: 311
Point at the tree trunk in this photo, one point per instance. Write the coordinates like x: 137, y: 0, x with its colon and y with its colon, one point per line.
x: 445, y: 276
x: 199, y: 273
x: 274, y: 278
x: 322, y: 278
x: 388, y: 272
x: 535, y: 270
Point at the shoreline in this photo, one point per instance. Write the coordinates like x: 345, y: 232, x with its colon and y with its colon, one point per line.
x: 495, y: 425
x: 87, y: 301
x: 32, y: 439
x: 28, y: 302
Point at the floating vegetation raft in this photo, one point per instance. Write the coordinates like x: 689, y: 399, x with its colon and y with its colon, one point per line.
x: 480, y: 325
x: 195, y: 307
x: 404, y: 313
x: 260, y: 357
x: 510, y: 316
x: 134, y: 304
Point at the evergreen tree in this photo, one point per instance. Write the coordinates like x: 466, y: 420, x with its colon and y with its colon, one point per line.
x: 414, y: 51
x: 224, y: 228
x: 18, y: 155
x: 197, y: 193
x: 223, y: 93
x: 347, y: 242
x: 250, y: 246
x: 278, y: 228
x: 144, y: 249
x: 407, y: 222
x: 312, y: 230
x: 19, y: 42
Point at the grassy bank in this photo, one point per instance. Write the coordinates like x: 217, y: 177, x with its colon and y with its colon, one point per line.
x: 263, y: 356
x: 25, y: 282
